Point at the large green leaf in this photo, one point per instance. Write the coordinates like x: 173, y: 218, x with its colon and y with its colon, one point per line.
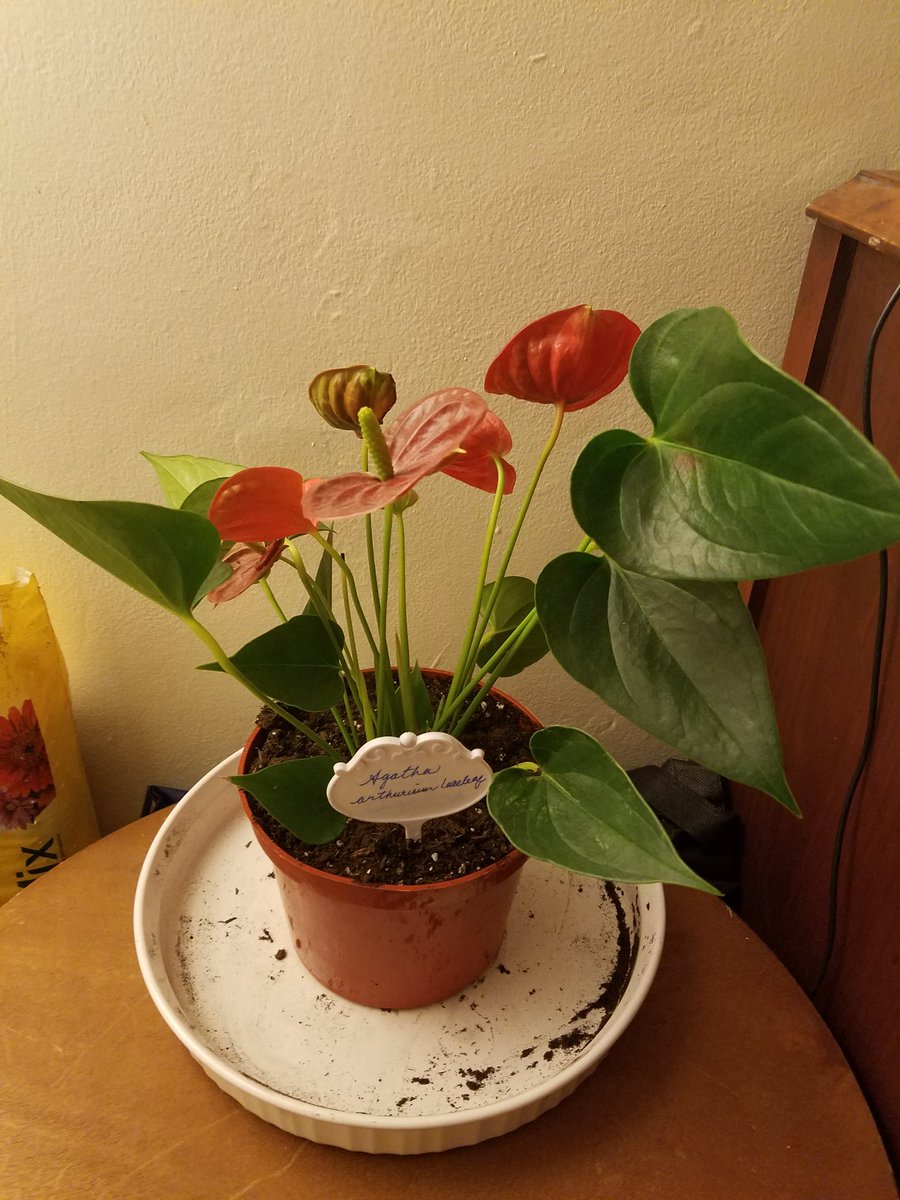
x: 201, y: 497
x: 294, y: 792
x: 295, y: 663
x: 167, y: 556
x: 680, y: 659
x: 181, y: 474
x: 515, y: 600
x: 748, y: 474
x: 577, y: 808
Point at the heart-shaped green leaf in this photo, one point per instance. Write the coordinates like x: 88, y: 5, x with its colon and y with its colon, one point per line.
x: 295, y: 663
x: 515, y: 600
x: 680, y: 659
x: 166, y: 556
x: 181, y: 474
x: 294, y: 792
x: 748, y: 474
x: 577, y: 808
x: 201, y: 497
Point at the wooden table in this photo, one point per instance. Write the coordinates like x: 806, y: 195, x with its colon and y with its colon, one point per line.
x: 727, y: 1084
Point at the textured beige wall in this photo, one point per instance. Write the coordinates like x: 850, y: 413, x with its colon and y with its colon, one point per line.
x: 205, y: 203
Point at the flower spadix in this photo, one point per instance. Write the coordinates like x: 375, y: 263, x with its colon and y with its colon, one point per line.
x: 419, y: 443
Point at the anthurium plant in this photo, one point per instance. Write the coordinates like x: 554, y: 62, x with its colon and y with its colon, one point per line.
x: 746, y: 474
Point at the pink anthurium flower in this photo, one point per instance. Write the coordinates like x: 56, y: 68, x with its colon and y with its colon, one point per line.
x: 572, y: 357
x: 476, y: 464
x: 424, y: 438
x: 248, y: 566
x: 261, y: 504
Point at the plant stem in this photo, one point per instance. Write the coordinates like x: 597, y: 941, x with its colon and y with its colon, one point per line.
x: 356, y: 680
x: 465, y: 649
x: 348, y: 575
x: 383, y: 679
x: 370, y: 543
x: 498, y: 659
x: 403, y: 665
x: 230, y: 669
x: 270, y: 596
x: 513, y: 538
x: 348, y: 656
x: 349, y: 740
x: 515, y: 639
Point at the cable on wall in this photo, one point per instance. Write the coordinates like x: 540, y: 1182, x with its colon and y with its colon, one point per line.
x: 874, y: 678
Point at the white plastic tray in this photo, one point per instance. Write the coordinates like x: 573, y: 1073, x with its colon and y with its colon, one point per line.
x: 217, y: 959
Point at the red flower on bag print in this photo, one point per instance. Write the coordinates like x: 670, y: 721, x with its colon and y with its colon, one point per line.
x: 24, y: 766
x: 16, y: 812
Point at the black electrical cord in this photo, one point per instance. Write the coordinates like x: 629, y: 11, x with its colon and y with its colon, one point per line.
x: 874, y: 678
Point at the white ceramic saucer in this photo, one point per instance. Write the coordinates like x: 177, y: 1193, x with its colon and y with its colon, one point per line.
x: 214, y: 950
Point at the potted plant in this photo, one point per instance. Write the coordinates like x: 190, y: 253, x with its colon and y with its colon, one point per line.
x: 746, y: 474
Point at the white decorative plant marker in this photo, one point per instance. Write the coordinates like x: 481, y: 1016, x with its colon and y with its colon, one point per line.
x: 409, y: 779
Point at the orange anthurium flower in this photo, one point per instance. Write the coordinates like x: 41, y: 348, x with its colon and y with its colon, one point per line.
x: 424, y: 438
x: 475, y: 464
x: 572, y: 357
x: 261, y: 504
x: 248, y: 566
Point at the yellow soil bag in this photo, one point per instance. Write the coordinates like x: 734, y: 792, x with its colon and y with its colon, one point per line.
x: 46, y: 812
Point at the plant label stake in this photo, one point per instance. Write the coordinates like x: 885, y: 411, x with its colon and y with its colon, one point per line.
x: 408, y: 780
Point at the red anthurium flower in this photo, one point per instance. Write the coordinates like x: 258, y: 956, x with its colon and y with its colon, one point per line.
x: 572, y: 357
x: 420, y: 443
x: 489, y: 439
x: 248, y: 566
x: 261, y: 504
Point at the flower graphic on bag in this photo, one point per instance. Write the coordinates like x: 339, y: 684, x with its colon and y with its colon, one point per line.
x: 26, y: 781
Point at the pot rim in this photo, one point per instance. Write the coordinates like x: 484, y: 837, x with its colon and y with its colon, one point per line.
x: 509, y: 863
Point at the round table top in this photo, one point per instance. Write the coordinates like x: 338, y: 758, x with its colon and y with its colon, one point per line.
x: 727, y: 1083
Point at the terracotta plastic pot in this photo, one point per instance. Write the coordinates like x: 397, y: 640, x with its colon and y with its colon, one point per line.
x: 390, y: 945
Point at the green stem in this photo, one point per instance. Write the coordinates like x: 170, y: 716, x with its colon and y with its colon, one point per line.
x: 356, y: 679
x: 349, y: 740
x: 348, y: 575
x: 325, y: 613
x: 270, y: 596
x: 493, y: 669
x: 498, y: 659
x: 230, y: 669
x: 403, y: 665
x: 383, y: 681
x: 513, y: 538
x: 370, y: 544
x: 458, y: 676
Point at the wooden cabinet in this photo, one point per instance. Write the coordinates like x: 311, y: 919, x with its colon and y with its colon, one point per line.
x: 817, y: 633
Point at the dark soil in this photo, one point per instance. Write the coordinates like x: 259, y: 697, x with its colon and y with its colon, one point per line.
x: 377, y: 854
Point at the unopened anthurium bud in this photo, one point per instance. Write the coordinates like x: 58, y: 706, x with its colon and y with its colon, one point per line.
x: 373, y: 438
x: 339, y: 394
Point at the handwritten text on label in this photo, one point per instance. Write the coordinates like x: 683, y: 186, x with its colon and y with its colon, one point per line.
x: 409, y: 779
